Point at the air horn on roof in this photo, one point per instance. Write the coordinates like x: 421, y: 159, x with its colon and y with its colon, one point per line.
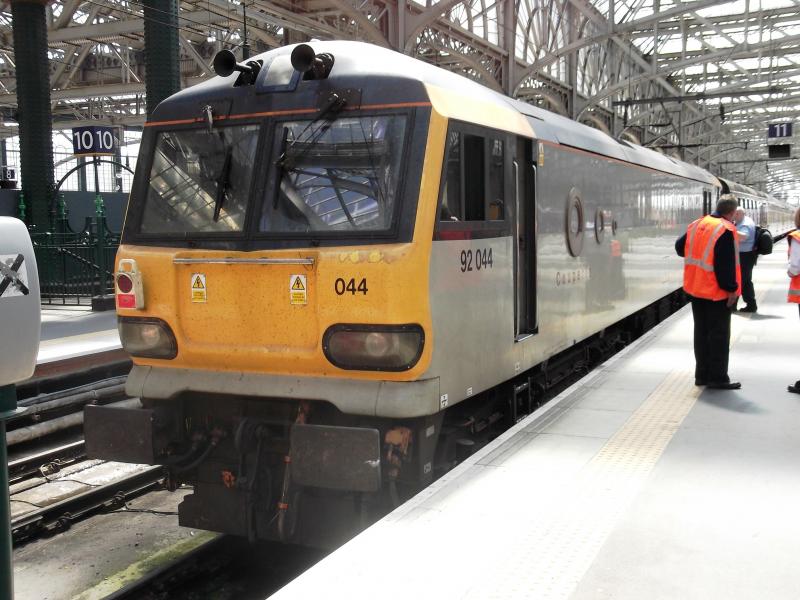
x: 225, y: 64
x: 313, y: 65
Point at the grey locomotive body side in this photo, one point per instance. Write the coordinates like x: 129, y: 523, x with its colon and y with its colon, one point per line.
x: 622, y: 267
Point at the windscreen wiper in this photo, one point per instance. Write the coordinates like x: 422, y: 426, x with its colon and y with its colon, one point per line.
x: 280, y: 167
x: 222, y: 184
x: 335, y: 104
x: 332, y: 108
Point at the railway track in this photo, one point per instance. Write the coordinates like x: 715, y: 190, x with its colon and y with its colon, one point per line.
x: 46, y: 462
x: 52, y: 483
x: 59, y: 515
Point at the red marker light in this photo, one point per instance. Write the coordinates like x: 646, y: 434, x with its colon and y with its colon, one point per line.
x: 128, y: 281
x: 124, y: 283
x: 126, y: 300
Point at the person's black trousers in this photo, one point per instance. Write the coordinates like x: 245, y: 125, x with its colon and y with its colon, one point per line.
x: 747, y: 261
x: 712, y: 338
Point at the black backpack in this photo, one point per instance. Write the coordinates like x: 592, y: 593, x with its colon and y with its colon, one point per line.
x: 763, y: 243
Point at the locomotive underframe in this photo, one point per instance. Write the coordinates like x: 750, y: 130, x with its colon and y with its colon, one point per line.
x: 273, y: 468
x: 306, y: 473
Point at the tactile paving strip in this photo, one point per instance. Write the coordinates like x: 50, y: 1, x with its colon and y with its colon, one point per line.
x: 556, y: 547
x: 553, y: 549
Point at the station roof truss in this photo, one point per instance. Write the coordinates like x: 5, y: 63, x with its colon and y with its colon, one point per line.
x: 654, y: 72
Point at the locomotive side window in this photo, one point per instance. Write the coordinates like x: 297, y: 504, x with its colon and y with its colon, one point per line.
x: 451, y: 193
x: 334, y: 177
x: 199, y: 182
x: 496, y: 178
x: 474, y: 178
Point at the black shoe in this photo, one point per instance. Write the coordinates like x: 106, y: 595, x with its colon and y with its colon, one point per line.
x: 724, y: 385
x: 749, y: 308
x: 795, y: 389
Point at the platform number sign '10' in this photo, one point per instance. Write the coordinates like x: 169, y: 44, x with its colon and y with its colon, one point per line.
x: 93, y: 140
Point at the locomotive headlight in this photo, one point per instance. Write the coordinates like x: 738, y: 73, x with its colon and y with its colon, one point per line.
x: 379, y: 344
x: 374, y: 347
x: 148, y: 338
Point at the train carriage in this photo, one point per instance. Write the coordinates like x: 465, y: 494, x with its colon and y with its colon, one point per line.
x: 765, y: 210
x: 336, y: 255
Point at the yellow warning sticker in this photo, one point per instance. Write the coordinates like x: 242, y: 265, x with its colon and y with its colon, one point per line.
x: 199, y: 287
x: 298, y: 290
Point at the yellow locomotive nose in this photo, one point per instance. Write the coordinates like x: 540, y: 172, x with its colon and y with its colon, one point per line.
x: 281, y: 313
x: 255, y: 305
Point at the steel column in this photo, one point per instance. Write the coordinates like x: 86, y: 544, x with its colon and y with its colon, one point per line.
x: 8, y: 406
x: 35, y: 121
x: 162, y: 51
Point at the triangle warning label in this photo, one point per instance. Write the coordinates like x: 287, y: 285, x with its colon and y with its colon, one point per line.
x: 198, y: 287
x: 298, y: 284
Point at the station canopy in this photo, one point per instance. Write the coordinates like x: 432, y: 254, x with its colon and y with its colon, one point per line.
x: 701, y: 79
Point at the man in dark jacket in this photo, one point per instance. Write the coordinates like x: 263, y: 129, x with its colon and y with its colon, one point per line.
x: 712, y: 317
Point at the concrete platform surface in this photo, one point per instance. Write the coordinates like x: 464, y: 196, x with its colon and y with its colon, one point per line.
x: 70, y: 331
x: 633, y: 484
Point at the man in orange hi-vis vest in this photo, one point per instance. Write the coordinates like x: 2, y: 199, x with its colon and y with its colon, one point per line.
x: 713, y: 280
x: 794, y: 275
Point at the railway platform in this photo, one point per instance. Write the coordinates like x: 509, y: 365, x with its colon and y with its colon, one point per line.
x: 73, y: 338
x: 71, y: 331
x: 633, y: 483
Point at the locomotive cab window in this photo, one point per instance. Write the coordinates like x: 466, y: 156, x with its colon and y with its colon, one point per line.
x: 334, y: 177
x: 474, y: 178
x: 200, y: 181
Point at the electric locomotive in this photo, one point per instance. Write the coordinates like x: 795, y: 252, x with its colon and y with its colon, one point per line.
x: 333, y: 249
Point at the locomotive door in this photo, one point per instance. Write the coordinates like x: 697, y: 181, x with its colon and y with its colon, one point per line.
x: 524, y: 228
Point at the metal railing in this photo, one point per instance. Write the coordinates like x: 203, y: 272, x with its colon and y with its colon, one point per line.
x: 75, y: 266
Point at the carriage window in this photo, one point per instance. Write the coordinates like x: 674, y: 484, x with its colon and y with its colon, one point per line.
x: 707, y: 202
x: 474, y: 179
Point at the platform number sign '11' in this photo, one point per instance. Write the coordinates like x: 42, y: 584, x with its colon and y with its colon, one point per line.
x: 779, y: 130
x: 93, y: 141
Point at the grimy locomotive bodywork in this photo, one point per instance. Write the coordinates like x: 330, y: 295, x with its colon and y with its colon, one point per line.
x: 321, y: 268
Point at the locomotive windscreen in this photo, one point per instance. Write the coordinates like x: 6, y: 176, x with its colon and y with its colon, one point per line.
x: 339, y: 175
x: 200, y: 181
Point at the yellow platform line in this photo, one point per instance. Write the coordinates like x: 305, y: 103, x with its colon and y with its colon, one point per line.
x: 554, y: 548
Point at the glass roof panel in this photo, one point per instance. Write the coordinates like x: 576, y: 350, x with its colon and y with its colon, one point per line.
x: 731, y: 47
